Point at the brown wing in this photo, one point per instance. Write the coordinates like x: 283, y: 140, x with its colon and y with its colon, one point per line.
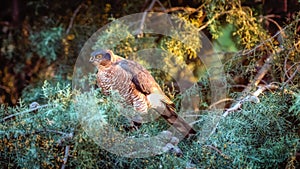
x: 146, y: 84
x: 141, y: 77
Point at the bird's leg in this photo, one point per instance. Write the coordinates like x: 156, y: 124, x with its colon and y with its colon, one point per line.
x: 135, y: 125
x: 136, y: 122
x: 171, y: 143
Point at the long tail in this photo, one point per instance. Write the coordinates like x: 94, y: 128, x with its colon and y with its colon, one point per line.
x: 179, y: 123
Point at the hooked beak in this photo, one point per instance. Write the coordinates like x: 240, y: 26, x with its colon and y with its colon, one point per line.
x: 92, y: 59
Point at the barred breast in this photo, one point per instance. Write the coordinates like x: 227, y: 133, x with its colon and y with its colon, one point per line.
x: 115, y: 78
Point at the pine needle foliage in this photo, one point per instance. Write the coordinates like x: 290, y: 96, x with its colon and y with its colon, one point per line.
x: 47, y: 43
x: 259, y: 135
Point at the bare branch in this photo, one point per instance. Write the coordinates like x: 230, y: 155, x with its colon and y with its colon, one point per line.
x: 139, y: 32
x: 214, y: 148
x: 217, y: 150
x: 65, y: 160
x: 213, y: 19
x: 293, y: 75
x: 178, y: 8
x: 73, y: 17
x: 161, y: 5
x: 251, y: 97
x: 66, y: 136
x: 55, y: 131
x: 67, y: 149
x: 264, y: 42
x: 24, y: 112
x: 260, y: 75
x: 220, y: 101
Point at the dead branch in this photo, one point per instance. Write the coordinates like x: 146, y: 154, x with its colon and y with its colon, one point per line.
x: 251, y: 97
x: 247, y: 52
x: 65, y: 160
x: 67, y: 150
x: 290, y: 78
x: 23, y: 112
x: 213, y: 19
x: 161, y: 5
x: 214, y: 148
x: 66, y: 136
x: 217, y: 150
x: 266, y: 67
x: 150, y: 7
x: 178, y: 8
x: 140, y: 31
x: 54, y: 131
x: 220, y: 101
x: 260, y: 75
x: 73, y: 17
x: 269, y: 18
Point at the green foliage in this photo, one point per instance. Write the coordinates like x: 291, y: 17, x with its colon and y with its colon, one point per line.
x: 247, y: 29
x: 225, y: 41
x: 295, y: 108
x: 33, y: 134
x: 46, y: 43
x: 117, y: 36
x: 258, y: 135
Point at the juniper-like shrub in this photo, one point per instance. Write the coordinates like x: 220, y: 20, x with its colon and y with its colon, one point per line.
x: 54, y: 125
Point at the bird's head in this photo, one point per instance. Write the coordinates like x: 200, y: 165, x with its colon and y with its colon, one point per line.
x: 102, y: 57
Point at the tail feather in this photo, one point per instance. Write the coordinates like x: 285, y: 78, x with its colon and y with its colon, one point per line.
x: 179, y: 123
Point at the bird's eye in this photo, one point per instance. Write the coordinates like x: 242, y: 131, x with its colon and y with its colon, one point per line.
x: 99, y: 56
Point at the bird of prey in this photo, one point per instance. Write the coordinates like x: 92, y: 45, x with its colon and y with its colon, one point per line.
x: 136, y: 86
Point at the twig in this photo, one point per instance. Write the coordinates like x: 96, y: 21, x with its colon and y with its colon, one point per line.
x: 65, y: 160
x: 179, y: 8
x: 253, y: 97
x: 212, y: 19
x: 292, y: 76
x: 268, y: 17
x: 217, y: 150
x: 45, y: 131
x: 150, y: 7
x: 55, y: 131
x: 24, y: 112
x: 65, y: 137
x: 72, y: 18
x: 139, y: 32
x: 263, y: 71
x: 260, y: 75
x: 263, y: 88
x: 266, y: 67
x: 220, y: 101
x: 285, y: 65
x: 214, y: 148
x: 67, y: 149
x: 162, y: 6
x: 247, y: 52
x: 7, y: 89
x: 286, y: 71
